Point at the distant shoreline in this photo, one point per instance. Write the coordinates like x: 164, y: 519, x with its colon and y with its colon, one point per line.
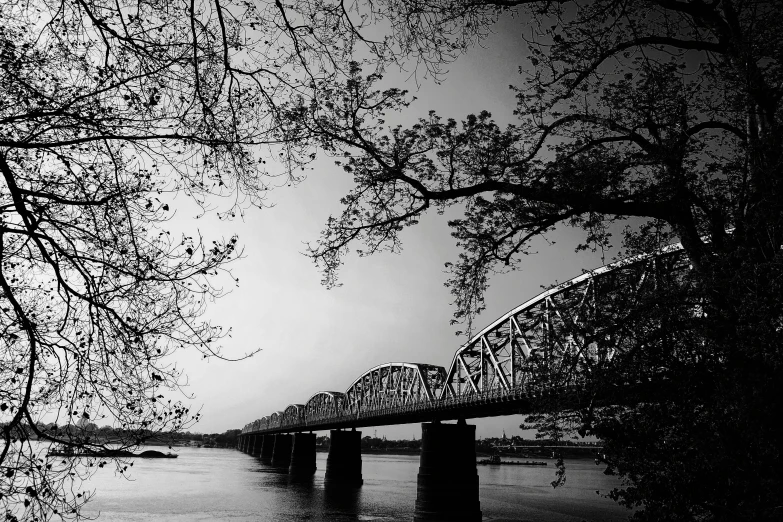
x: 479, y: 454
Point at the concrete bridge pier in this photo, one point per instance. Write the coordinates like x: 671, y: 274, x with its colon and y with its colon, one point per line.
x: 267, y: 447
x: 303, y: 454
x: 245, y: 443
x: 344, y: 463
x: 255, y: 448
x: 447, y: 485
x: 281, y: 454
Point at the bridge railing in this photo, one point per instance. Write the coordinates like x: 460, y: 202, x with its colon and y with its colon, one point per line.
x: 498, y: 395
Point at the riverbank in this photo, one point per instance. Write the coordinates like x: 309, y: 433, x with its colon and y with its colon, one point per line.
x: 373, y: 451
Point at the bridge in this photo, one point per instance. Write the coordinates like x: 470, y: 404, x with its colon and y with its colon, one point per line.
x: 545, y: 345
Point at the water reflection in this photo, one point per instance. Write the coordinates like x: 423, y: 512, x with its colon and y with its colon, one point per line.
x: 302, y: 490
x: 342, y: 498
x: 204, y: 485
x: 302, y: 481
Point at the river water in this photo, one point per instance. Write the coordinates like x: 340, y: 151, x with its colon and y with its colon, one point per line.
x: 225, y: 484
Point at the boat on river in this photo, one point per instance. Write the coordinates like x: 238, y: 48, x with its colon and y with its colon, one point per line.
x: 495, y: 460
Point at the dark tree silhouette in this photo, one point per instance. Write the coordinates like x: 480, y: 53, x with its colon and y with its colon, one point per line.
x: 665, y: 111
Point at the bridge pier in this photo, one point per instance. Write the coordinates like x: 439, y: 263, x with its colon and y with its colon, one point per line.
x: 245, y: 443
x: 447, y: 485
x: 255, y: 448
x: 267, y: 447
x: 344, y: 463
x: 281, y: 454
x: 303, y: 454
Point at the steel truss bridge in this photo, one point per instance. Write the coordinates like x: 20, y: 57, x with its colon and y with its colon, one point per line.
x: 499, y: 370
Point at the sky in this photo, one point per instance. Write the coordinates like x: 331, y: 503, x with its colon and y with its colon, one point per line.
x: 390, y: 308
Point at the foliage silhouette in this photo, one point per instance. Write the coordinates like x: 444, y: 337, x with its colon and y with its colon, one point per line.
x: 667, y: 112
x: 109, y: 109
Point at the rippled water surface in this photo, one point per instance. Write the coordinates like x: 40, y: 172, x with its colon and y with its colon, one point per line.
x: 222, y: 484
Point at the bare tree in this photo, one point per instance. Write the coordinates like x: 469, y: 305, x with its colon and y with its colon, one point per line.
x: 665, y: 111
x: 107, y: 109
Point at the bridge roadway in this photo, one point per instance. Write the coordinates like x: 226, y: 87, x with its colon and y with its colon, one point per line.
x: 545, y: 345
x: 492, y: 403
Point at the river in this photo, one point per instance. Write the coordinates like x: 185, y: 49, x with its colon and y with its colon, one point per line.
x: 225, y: 484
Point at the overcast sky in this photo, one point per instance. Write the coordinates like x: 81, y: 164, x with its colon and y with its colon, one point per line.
x: 391, y: 308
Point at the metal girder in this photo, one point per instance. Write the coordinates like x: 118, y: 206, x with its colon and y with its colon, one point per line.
x: 293, y: 415
x: 557, y: 329
x: 393, y: 385
x: 324, y: 405
x: 275, y: 420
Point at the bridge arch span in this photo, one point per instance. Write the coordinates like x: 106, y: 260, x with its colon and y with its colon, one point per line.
x: 394, y: 385
x: 275, y: 419
x: 558, y: 327
x: 324, y: 405
x: 264, y: 422
x: 293, y: 415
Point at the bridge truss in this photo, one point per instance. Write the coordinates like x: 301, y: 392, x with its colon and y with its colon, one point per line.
x: 550, y: 341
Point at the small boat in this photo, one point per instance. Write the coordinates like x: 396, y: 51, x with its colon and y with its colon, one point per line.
x: 152, y: 454
x: 60, y: 451
x: 495, y: 460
